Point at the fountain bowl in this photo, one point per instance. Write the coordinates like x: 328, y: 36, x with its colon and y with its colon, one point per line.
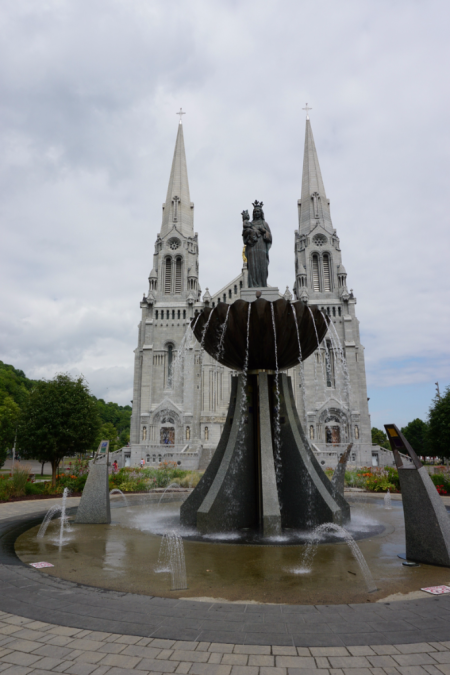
x: 208, y: 325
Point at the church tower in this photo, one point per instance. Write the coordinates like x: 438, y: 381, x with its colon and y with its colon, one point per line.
x: 180, y: 395
x: 332, y: 401
x: 164, y: 410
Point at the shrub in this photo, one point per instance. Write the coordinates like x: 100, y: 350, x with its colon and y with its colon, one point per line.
x: 442, y: 483
x: 20, y: 475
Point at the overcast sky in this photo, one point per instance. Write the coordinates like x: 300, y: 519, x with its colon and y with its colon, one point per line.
x: 89, y: 92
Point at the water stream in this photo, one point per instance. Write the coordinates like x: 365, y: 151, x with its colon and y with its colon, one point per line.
x: 171, y: 559
x: 311, y: 550
x: 167, y: 488
x: 116, y: 491
x: 64, y: 522
x: 277, y: 430
x: 301, y: 364
x: 387, y: 500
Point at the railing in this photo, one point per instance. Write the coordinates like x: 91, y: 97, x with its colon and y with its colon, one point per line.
x: 162, y: 449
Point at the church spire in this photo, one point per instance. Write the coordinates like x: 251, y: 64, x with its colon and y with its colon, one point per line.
x: 178, y: 211
x: 315, y: 209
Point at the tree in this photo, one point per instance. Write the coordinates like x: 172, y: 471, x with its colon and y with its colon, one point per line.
x: 14, y: 383
x: 416, y: 434
x: 59, y: 419
x: 438, y: 436
x: 380, y: 438
x: 107, y: 432
x: 9, y: 419
x: 124, y: 438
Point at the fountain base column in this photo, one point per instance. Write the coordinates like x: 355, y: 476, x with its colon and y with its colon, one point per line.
x: 250, y: 483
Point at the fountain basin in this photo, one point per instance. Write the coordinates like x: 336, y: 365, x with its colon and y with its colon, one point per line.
x: 123, y: 556
x: 207, y: 328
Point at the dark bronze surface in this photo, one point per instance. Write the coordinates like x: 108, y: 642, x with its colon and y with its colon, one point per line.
x: 261, y: 334
x: 258, y: 240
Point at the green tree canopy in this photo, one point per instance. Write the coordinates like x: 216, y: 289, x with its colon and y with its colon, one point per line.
x: 438, y: 437
x: 9, y: 419
x: 114, y: 414
x: 107, y: 432
x: 59, y: 419
x: 416, y: 434
x: 14, y: 383
x: 380, y: 438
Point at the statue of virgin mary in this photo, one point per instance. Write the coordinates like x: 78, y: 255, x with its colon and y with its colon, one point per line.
x: 257, y: 240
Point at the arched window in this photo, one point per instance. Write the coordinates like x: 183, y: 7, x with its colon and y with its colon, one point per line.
x: 206, y: 434
x: 168, y: 276
x: 224, y: 297
x: 315, y: 272
x: 173, y: 314
x: 326, y: 273
x: 311, y: 432
x: 356, y: 431
x: 178, y: 275
x: 156, y: 313
x: 188, y: 433
x: 169, y: 364
x: 144, y: 433
x: 184, y: 313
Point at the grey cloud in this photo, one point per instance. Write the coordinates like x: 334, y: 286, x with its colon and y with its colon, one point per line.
x: 90, y: 92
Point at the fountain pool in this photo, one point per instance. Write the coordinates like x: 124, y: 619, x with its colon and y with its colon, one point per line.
x: 124, y: 557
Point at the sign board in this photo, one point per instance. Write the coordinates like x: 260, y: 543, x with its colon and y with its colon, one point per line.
x: 436, y: 590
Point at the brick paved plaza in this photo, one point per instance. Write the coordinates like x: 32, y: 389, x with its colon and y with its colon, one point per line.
x: 52, y: 626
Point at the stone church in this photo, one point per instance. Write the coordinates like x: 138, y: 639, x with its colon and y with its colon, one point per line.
x: 181, y: 394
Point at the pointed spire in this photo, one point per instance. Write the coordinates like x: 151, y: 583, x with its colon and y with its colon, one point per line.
x: 315, y: 208
x: 178, y: 210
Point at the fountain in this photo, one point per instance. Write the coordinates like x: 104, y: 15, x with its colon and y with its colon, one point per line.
x: 116, y: 491
x: 387, y: 500
x: 264, y: 499
x: 311, y: 550
x: 53, y: 510
x: 263, y: 474
x: 171, y: 559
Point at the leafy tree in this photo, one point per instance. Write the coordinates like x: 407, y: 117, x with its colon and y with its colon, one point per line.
x: 115, y: 414
x: 438, y: 436
x: 107, y: 432
x: 124, y: 438
x: 416, y: 434
x: 59, y: 419
x: 14, y: 383
x: 380, y: 438
x: 9, y: 419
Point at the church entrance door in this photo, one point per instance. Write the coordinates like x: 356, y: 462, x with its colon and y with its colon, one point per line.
x: 167, y: 436
x: 333, y: 435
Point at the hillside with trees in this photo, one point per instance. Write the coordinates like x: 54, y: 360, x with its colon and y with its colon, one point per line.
x: 15, y: 391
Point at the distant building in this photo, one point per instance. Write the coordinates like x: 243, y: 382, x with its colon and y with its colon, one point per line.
x: 181, y: 394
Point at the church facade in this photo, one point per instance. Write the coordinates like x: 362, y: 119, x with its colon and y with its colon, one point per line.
x: 181, y: 395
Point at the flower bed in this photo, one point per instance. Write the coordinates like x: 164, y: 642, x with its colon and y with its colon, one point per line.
x: 18, y: 485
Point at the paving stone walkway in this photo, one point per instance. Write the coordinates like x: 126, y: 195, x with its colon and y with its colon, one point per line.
x: 52, y: 626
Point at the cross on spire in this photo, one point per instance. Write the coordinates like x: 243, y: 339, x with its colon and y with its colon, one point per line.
x: 183, y: 113
x: 307, y: 110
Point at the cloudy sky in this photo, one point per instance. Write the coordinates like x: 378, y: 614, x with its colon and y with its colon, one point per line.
x: 89, y: 91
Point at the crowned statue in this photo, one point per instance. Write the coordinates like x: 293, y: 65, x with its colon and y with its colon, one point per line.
x: 257, y: 240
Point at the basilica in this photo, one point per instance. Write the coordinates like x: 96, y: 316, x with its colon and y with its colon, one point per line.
x: 181, y: 395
